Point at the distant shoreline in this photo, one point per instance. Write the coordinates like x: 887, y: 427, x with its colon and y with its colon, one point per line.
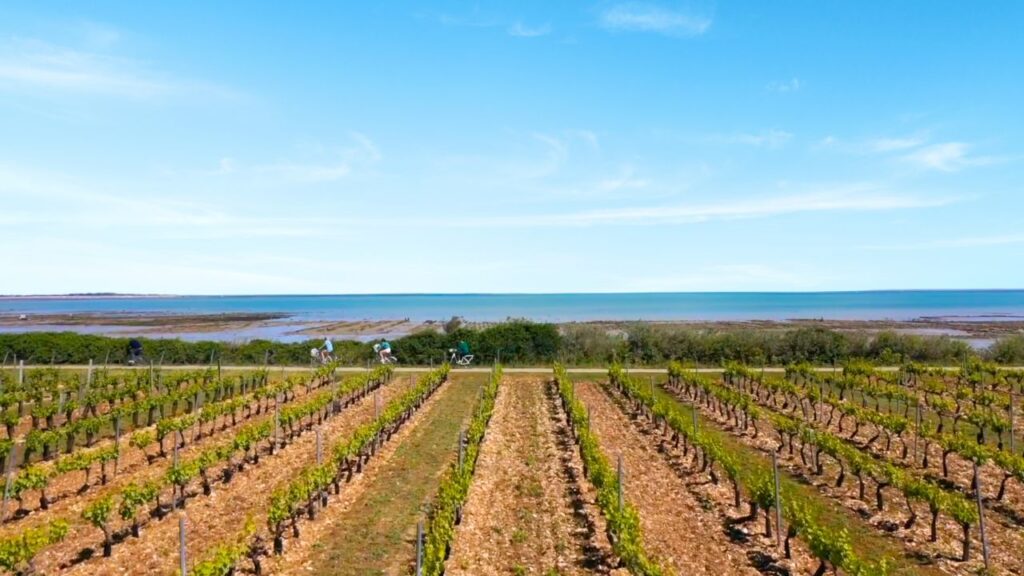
x: 237, y: 326
x: 86, y: 296
x: 982, y: 315
x: 118, y: 295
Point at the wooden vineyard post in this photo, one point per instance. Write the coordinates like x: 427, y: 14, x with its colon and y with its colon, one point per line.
x: 462, y: 448
x: 83, y: 385
x: 981, y: 515
x: 277, y: 418
x: 917, y: 429
x: 778, y: 500
x: 319, y: 462
x: 183, y: 553
x: 219, y: 377
x: 21, y: 372
x: 9, y: 479
x: 694, y: 414
x: 620, y: 483
x: 117, y: 442
x: 150, y: 375
x: 174, y: 489
x: 419, y: 549
x: 376, y: 402
x: 1012, y: 419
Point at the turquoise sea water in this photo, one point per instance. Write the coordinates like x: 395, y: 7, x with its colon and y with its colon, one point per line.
x: 896, y: 305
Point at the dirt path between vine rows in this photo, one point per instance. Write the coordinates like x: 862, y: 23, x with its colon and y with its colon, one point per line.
x: 371, y: 527
x: 214, y: 519
x: 763, y: 552
x: 683, y: 536
x: 518, y: 517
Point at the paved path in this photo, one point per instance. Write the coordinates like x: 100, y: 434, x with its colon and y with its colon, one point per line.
x: 472, y: 369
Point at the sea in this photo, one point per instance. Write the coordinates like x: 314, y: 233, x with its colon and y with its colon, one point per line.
x: 963, y: 305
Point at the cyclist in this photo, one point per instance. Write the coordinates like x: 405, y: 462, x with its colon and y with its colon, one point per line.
x: 327, y: 350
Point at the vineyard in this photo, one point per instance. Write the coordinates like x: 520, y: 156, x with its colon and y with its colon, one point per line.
x: 852, y: 470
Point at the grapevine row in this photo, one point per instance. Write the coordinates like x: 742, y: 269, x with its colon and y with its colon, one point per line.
x: 311, y: 486
x: 829, y: 546
x: 884, y: 473
x: 132, y: 498
x: 622, y: 518
x: 451, y: 494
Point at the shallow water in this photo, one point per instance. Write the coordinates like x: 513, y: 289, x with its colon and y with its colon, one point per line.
x: 962, y: 305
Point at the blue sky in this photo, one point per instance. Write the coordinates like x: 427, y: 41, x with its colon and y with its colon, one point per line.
x: 510, y: 147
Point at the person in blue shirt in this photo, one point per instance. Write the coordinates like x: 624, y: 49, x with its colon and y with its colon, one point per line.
x: 384, y: 350
x: 327, y: 350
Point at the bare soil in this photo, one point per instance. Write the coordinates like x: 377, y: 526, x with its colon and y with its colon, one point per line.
x: 519, y: 517
x: 682, y: 533
x: 762, y: 551
x: 372, y: 528
x: 1004, y: 539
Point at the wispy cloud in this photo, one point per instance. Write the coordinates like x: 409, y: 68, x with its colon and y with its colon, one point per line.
x: 861, y: 198
x: 99, y: 35
x: 76, y: 205
x: 309, y: 173
x: 947, y: 157
x: 625, y: 180
x: 333, y: 163
x: 589, y: 137
x: 473, y: 20
x: 783, y: 86
x: 915, y: 150
x: 640, y: 17
x: 521, y: 30
x: 36, y: 65
x: 963, y: 242
x: 883, y: 145
x: 766, y: 139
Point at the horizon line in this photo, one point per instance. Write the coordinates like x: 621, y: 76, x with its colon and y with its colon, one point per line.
x: 118, y: 295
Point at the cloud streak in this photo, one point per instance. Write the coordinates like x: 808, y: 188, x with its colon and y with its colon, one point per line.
x: 964, y: 242
x: 947, y: 157
x: 765, y: 139
x: 35, y: 65
x: 520, y: 30
x: 784, y: 86
x: 852, y: 199
x: 640, y: 17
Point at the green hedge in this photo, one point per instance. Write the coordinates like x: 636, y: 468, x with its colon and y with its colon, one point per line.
x: 519, y: 342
